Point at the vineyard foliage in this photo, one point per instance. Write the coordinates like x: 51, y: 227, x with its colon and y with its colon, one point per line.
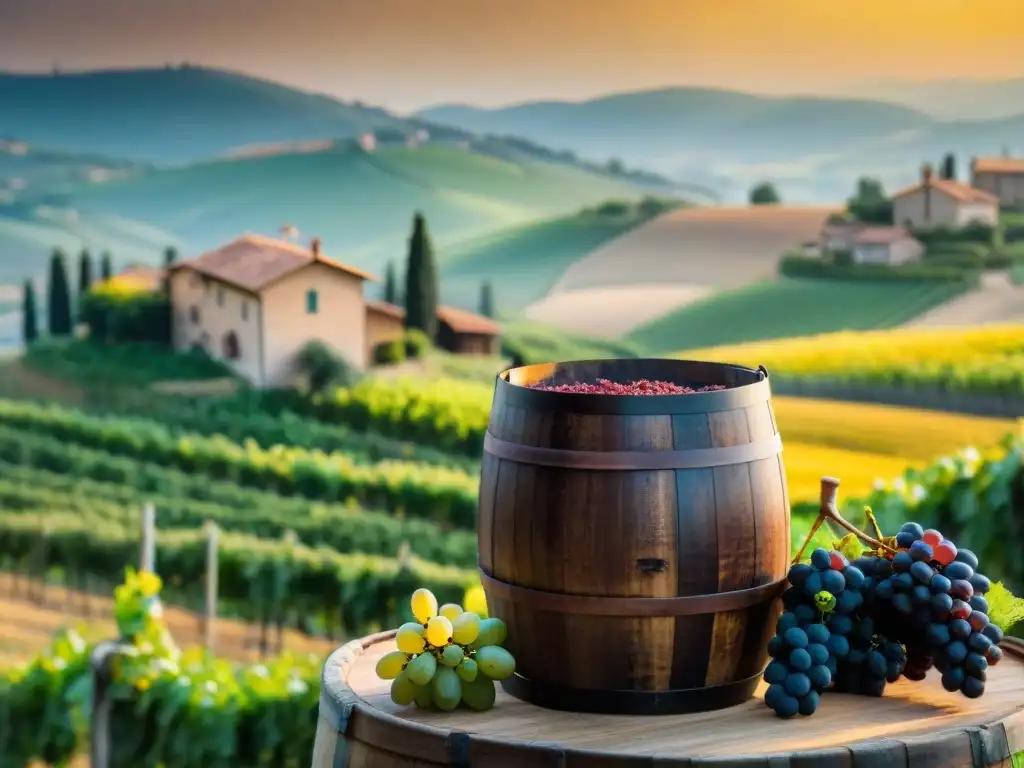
x: 449, y: 413
x: 187, y: 502
x: 173, y: 708
x: 446, y: 494
x: 987, y: 359
x: 253, y: 573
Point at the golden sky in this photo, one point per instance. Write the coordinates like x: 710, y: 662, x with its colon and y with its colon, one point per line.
x: 410, y: 53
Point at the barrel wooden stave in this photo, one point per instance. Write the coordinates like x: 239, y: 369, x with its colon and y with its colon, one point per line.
x: 377, y: 734
x: 578, y: 531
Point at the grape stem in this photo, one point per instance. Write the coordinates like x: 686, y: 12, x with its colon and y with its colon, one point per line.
x: 829, y: 510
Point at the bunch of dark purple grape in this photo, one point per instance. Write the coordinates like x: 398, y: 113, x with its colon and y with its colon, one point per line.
x: 893, y: 612
x: 826, y: 637
x: 935, y: 598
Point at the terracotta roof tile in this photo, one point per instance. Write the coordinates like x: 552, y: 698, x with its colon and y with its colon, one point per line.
x: 882, y: 235
x: 384, y: 308
x: 959, y: 192
x: 459, y: 320
x: 252, y: 262
x: 998, y: 165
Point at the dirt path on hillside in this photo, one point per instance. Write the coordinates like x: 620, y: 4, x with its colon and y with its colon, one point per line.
x: 997, y: 300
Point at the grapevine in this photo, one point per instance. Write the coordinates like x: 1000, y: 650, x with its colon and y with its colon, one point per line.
x: 876, y: 608
x: 446, y: 657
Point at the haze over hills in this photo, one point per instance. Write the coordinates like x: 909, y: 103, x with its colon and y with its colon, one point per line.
x: 361, y: 204
x: 949, y: 99
x: 813, y: 147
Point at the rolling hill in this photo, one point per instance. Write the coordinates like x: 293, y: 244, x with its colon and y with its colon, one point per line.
x: 526, y: 261
x: 813, y: 147
x: 359, y: 203
x: 674, y: 260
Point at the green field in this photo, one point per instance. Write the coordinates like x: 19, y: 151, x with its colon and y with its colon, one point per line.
x: 523, y: 262
x: 360, y: 204
x: 790, y: 307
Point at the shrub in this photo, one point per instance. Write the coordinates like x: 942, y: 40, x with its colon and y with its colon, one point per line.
x: 417, y: 343
x: 975, y: 232
x: 614, y: 209
x: 795, y: 265
x: 389, y: 352
x: 323, y: 367
x: 118, y: 312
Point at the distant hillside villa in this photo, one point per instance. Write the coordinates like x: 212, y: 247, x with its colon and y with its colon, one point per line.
x: 256, y: 302
x: 866, y: 243
x: 1001, y: 176
x: 935, y: 202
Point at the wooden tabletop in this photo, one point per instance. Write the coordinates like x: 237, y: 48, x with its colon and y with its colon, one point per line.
x: 907, y: 710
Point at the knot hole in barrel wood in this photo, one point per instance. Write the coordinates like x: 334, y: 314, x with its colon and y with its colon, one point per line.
x: 651, y: 564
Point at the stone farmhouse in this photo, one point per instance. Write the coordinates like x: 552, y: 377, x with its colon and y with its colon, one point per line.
x: 935, y: 202
x: 1000, y: 176
x: 255, y: 302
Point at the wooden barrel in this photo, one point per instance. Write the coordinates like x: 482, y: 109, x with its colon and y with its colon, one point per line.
x: 914, y: 725
x: 634, y: 545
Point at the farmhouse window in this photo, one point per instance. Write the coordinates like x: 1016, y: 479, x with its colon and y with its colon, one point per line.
x: 245, y: 310
x: 220, y: 297
x: 193, y: 314
x: 311, y: 302
x: 232, y: 351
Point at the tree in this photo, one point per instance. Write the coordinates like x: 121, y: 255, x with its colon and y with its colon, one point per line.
x: 421, y: 281
x: 170, y: 256
x: 106, y: 269
x: 390, y: 287
x: 29, y: 319
x: 764, y: 194
x: 870, y: 203
x: 486, y: 300
x: 948, y: 168
x: 84, y: 272
x: 58, y: 305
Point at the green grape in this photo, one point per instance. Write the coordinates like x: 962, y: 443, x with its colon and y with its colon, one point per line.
x: 411, y: 638
x: 390, y: 665
x: 439, y: 631
x: 424, y: 697
x: 479, y: 694
x: 495, y: 662
x: 466, y: 628
x: 450, y: 611
x: 403, y: 690
x: 451, y: 656
x: 492, y: 632
x: 447, y: 689
x: 467, y: 670
x: 421, y: 669
x: 424, y: 605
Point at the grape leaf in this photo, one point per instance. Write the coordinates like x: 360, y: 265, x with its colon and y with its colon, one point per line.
x: 1004, y: 608
x: 850, y: 546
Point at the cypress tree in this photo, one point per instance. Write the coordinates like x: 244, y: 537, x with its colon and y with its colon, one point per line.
x: 106, y: 268
x: 390, y: 288
x: 29, y: 319
x: 170, y: 256
x: 948, y: 169
x: 84, y: 272
x: 486, y: 300
x: 58, y: 306
x: 421, y: 281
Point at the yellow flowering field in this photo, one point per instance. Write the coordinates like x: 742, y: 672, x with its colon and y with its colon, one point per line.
x: 984, y: 359
x: 906, y: 433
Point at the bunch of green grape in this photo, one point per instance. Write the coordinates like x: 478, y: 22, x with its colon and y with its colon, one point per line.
x: 446, y: 657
